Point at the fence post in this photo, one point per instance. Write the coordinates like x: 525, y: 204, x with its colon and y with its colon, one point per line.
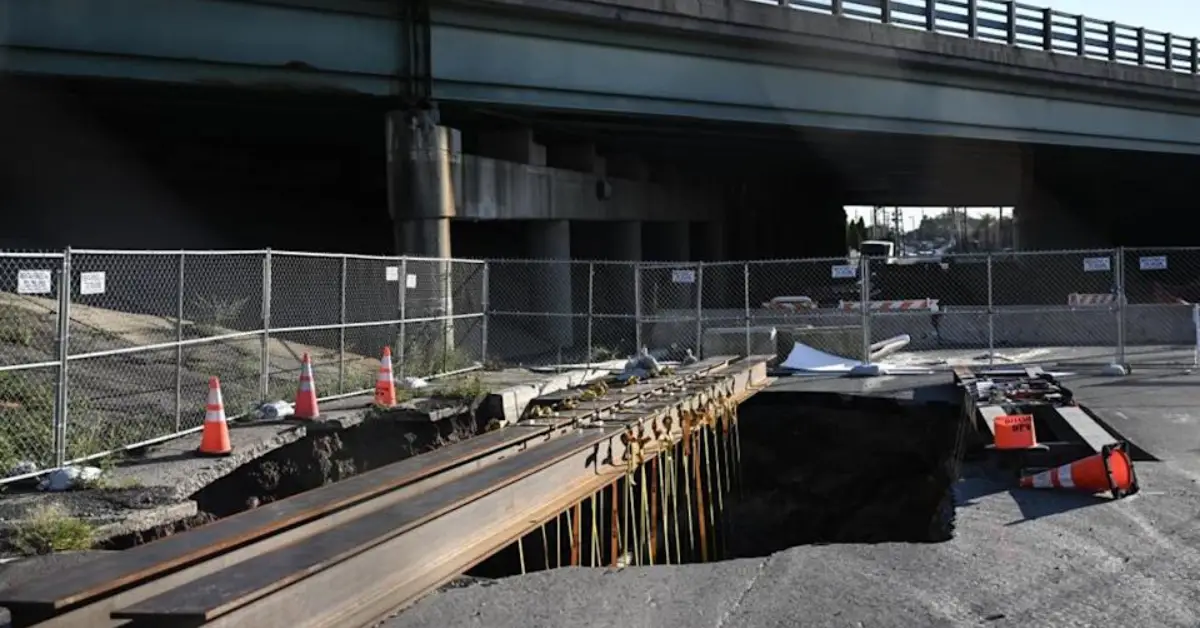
x: 865, y: 299
x: 342, y: 327
x: 486, y: 306
x: 1122, y: 302
x: 179, y: 342
x: 590, y: 310
x: 637, y: 306
x: 746, y: 302
x: 991, y: 312
x: 62, y: 398
x: 403, y: 298
x: 699, y: 307
x: 265, y: 375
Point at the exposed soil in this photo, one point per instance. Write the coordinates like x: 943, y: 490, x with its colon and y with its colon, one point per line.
x: 309, y: 463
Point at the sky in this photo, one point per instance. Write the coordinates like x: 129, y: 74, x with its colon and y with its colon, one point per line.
x: 1179, y: 17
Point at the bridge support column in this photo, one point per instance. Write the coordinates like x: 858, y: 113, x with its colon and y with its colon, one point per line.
x: 549, y: 241
x: 1048, y: 209
x: 422, y: 201
x: 666, y: 241
x: 708, y: 241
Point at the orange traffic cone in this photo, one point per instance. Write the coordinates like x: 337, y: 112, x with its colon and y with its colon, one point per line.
x: 1109, y: 470
x: 306, y: 394
x: 385, y: 388
x: 214, y: 440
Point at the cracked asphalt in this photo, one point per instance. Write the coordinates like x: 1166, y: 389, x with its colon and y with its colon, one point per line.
x: 1018, y: 558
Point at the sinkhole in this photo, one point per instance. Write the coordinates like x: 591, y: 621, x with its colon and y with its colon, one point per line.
x: 797, y: 468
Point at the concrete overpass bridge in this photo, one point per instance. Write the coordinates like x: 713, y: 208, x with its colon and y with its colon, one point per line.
x: 677, y: 113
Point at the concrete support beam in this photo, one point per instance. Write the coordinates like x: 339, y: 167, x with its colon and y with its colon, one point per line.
x: 628, y: 166
x: 516, y: 145
x: 578, y: 157
x: 550, y: 283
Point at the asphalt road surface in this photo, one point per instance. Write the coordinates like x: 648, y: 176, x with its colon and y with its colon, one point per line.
x: 1019, y: 557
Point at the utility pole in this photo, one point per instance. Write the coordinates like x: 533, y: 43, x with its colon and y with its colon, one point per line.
x: 897, y: 230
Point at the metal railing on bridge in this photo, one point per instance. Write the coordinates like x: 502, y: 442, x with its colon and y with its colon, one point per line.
x: 1023, y: 25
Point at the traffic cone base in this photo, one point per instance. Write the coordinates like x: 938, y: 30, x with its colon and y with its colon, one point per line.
x: 214, y: 439
x: 385, y: 387
x: 1111, y: 470
x: 306, y: 394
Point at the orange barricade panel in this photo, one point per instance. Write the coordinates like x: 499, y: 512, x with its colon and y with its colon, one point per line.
x: 1014, y: 431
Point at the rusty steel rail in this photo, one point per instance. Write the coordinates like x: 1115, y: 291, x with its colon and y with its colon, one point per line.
x: 357, y: 572
x: 84, y: 596
x: 87, y: 595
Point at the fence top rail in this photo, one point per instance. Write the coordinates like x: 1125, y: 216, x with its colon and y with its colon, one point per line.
x: 174, y: 252
x: 456, y: 260
x: 15, y: 254
x: 231, y: 252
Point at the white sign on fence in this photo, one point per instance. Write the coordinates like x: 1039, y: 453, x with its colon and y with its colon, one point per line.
x: 1097, y: 264
x: 1153, y: 262
x: 391, y: 273
x: 683, y: 275
x: 410, y: 281
x: 843, y: 271
x: 34, y: 282
x: 91, y: 283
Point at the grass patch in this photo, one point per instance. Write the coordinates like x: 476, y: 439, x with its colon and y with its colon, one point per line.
x: 427, y: 354
x: 215, y: 316
x: 26, y: 418
x: 18, y: 326
x: 51, y: 528
x: 461, y: 388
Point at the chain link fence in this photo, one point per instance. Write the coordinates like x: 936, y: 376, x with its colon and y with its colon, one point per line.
x: 103, y: 350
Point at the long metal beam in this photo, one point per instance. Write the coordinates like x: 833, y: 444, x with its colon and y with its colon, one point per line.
x: 353, y: 573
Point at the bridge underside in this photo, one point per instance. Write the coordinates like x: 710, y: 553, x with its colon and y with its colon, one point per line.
x: 137, y: 164
x: 496, y: 56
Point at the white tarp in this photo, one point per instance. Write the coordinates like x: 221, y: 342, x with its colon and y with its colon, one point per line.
x: 806, y: 359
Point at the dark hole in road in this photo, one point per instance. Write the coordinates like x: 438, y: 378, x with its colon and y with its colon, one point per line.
x: 814, y: 468
x: 831, y: 468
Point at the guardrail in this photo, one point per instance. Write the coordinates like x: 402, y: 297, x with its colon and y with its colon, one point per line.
x: 1023, y: 25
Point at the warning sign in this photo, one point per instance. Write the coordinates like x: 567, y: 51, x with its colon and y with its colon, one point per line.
x: 35, y: 282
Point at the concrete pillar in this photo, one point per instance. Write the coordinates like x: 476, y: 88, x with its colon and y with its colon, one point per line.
x: 625, y: 240
x: 421, y: 190
x: 421, y: 200
x: 666, y: 241
x: 550, y: 282
x: 708, y: 241
x: 1047, y: 212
